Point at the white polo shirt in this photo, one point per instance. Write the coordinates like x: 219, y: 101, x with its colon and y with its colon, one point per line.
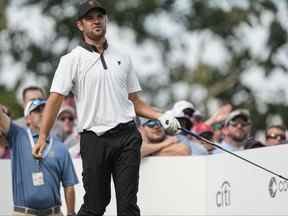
x: 101, y: 88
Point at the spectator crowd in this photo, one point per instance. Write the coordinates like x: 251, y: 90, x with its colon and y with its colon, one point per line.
x: 231, y: 129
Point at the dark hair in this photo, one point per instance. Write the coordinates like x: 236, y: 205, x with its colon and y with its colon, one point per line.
x: 280, y: 127
x: 31, y: 88
x: 185, y: 123
x: 207, y: 135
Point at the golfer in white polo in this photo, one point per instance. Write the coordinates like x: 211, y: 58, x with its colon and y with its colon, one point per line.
x: 105, y: 88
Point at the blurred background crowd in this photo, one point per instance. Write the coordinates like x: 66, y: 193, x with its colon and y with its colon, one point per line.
x: 230, y: 128
x: 219, y: 66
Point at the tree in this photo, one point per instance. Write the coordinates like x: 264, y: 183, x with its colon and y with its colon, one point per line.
x: 3, y: 5
x: 219, y: 21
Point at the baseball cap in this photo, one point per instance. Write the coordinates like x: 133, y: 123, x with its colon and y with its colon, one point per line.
x: 32, y: 105
x: 68, y: 109
x: 182, y: 108
x: 87, y: 5
x: 238, y: 113
x: 202, y: 128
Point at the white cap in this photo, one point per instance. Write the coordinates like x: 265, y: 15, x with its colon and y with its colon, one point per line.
x: 32, y: 105
x: 177, y: 110
x: 238, y: 113
x: 67, y: 109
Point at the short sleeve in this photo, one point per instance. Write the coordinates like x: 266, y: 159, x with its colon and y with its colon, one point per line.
x: 69, y: 177
x: 184, y: 140
x: 65, y: 74
x: 13, y: 132
x: 133, y: 82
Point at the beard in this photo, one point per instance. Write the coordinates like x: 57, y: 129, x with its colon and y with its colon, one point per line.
x: 96, y: 35
x: 239, y: 137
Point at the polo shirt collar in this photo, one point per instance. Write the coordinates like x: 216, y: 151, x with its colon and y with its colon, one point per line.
x: 92, y: 48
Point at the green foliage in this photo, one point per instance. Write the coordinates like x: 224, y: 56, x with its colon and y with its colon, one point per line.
x: 8, y: 99
x: 3, y: 5
x: 202, y: 16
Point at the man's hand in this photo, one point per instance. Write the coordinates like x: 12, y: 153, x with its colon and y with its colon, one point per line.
x: 38, y: 148
x: 220, y: 115
x: 3, y: 109
x: 48, y: 118
x: 170, y: 124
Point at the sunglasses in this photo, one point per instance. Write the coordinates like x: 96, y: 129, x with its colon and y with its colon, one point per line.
x: 37, y: 102
x: 69, y: 118
x: 152, y: 123
x: 276, y: 136
x: 242, y: 124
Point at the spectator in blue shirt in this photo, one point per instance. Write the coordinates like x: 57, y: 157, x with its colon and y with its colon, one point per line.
x: 36, y: 183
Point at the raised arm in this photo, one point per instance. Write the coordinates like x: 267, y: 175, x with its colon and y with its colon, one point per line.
x: 49, y: 115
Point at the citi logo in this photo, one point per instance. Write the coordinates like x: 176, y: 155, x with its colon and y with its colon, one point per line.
x: 223, y: 196
x: 275, y: 187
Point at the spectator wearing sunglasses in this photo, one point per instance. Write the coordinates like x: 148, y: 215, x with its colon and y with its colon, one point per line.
x: 157, y: 143
x: 236, y: 131
x: 32, y: 93
x: 70, y: 136
x: 36, y: 183
x: 29, y: 93
x: 275, y: 135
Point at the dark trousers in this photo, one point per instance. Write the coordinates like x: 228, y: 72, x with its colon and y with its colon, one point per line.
x: 116, y: 152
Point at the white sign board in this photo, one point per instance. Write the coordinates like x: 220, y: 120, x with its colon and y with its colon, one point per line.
x: 238, y: 188
x: 198, y: 185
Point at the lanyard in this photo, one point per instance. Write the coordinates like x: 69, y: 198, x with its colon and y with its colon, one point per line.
x: 46, y: 150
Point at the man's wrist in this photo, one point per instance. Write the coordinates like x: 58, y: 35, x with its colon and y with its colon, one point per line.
x: 42, y: 137
x: 71, y: 214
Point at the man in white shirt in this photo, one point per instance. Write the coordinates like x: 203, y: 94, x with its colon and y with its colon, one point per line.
x: 105, y: 88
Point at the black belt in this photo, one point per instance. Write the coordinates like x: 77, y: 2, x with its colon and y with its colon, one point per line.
x: 40, y: 212
x: 114, y: 131
x: 120, y: 127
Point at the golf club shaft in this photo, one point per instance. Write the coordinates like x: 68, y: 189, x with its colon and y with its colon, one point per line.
x: 202, y: 139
